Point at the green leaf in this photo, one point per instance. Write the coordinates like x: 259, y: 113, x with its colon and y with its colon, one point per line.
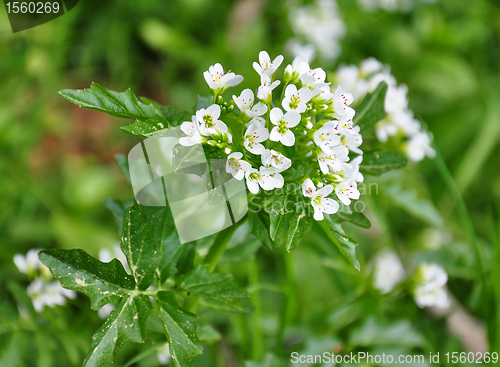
x: 127, y: 322
x: 208, y: 335
x: 180, y: 326
x: 298, y: 226
x: 138, y: 245
x: 221, y: 287
x: 98, y: 98
x: 280, y: 212
x: 189, y: 160
x: 259, y: 226
x: 346, y: 214
x: 346, y: 245
x: 153, y: 126
x: 203, y: 102
x: 166, y: 237
x: 242, y: 253
x: 122, y: 163
x: 118, y: 208
x: 101, y: 282
x: 371, y: 110
x: 381, y: 161
x: 227, y: 308
x: 174, y: 117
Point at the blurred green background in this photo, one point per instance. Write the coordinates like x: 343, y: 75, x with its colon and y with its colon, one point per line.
x: 57, y: 166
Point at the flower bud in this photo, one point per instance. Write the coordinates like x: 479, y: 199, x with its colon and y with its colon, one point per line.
x: 212, y: 143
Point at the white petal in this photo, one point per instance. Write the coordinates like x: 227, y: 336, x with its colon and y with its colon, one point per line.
x: 276, y: 115
x: 292, y: 118
x: 318, y: 214
x: 325, y: 191
x: 330, y: 206
x: 288, y: 138
x: 275, y: 135
x: 235, y: 155
x: 214, y: 111
x: 253, y: 186
x: 308, y: 188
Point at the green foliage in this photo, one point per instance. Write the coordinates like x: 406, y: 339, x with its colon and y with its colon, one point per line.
x: 371, y: 110
x: 378, y: 162
x: 346, y: 245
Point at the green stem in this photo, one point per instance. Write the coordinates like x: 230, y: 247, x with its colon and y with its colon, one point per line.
x: 220, y: 245
x: 257, y: 342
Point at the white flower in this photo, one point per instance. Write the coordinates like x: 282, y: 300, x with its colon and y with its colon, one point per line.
x: 341, y: 102
x: 319, y: 200
x: 430, y: 290
x: 30, y: 263
x: 389, y: 272
x: 218, y: 81
x: 255, y: 135
x: 307, y: 51
x: 281, y: 132
x: 163, y: 354
x: 296, y: 100
x: 246, y: 106
x: 265, y: 91
x: 271, y: 158
x: 265, y: 66
x: 105, y: 310
x: 260, y: 178
x: 191, y: 129
x: 333, y: 162
x: 298, y: 67
x: 347, y: 190
x: 48, y: 294
x: 353, y: 139
x: 327, y: 137
x: 237, y: 166
x: 209, y: 120
x: 418, y: 146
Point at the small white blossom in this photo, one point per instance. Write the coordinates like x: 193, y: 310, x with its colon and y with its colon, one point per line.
x: 298, y: 67
x: 319, y: 200
x: 265, y: 66
x: 218, y: 81
x: 284, y: 122
x: 245, y: 104
x: 430, y: 289
x: 237, y: 166
x: 341, y: 102
x: 255, y: 135
x: 260, y: 178
x: 389, y: 272
x: 333, y: 161
x: 352, y: 139
x: 48, y: 294
x: 265, y: 91
x: 419, y: 146
x: 327, y: 137
x: 163, y: 354
x: 191, y: 129
x: 296, y: 100
x: 271, y: 158
x: 308, y: 51
x: 209, y: 120
x: 30, y: 263
x: 347, y: 190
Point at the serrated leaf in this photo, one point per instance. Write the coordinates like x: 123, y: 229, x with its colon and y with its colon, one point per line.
x: 189, y: 160
x: 124, y: 104
x: 298, y: 226
x: 346, y: 214
x: 173, y: 116
x: 138, y: 245
x: 280, y: 212
x: 118, y: 208
x: 221, y: 287
x: 101, y: 282
x: 166, y: 238
x: 346, y: 245
x: 203, y: 102
x: 180, y: 326
x: 378, y: 162
x: 371, y: 110
x: 122, y: 163
x: 208, y: 335
x: 259, y: 226
x: 127, y: 322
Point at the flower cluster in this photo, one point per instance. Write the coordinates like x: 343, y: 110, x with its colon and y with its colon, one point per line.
x: 44, y: 290
x: 309, y: 129
x: 399, y: 124
x: 390, y: 5
x: 321, y: 27
x: 429, y: 280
